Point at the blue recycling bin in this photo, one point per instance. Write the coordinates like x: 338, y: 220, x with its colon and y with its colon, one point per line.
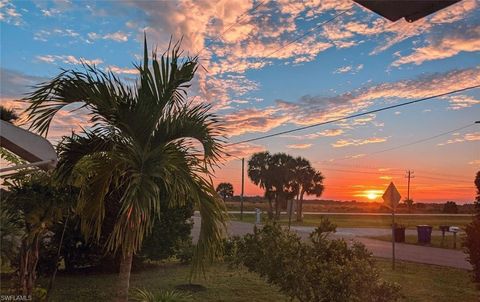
x: 424, y: 234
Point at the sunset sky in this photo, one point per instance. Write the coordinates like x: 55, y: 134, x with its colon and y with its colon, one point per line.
x: 261, y: 83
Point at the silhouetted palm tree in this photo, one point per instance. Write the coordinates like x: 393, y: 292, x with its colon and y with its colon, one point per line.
x: 140, y: 147
x: 8, y: 115
x: 308, y: 180
x: 260, y: 174
x: 282, y: 178
x: 225, y: 189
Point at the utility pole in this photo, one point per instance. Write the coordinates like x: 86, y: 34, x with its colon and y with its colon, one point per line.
x: 409, y: 176
x: 243, y: 184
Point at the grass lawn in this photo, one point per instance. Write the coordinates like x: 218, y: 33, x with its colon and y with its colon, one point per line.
x: 419, y: 283
x: 422, y: 282
x: 436, y: 240
x: 362, y: 221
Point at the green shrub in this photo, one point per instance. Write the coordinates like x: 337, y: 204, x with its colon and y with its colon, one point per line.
x: 318, y: 270
x: 170, y: 234
x: 184, y: 251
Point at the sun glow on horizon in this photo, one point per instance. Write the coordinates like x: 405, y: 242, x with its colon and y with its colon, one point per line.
x: 371, y: 195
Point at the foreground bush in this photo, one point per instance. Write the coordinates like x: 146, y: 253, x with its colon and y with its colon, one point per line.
x: 319, y: 270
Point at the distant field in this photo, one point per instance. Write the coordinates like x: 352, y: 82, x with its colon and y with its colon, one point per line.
x: 363, y: 221
x: 354, y: 207
x: 436, y: 240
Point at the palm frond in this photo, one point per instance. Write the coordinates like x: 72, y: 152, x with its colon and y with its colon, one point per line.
x: 100, y: 92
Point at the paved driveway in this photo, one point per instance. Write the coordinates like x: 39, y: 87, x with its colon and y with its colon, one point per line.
x: 383, y: 249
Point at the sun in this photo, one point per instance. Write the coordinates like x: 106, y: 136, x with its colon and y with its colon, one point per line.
x: 372, y: 195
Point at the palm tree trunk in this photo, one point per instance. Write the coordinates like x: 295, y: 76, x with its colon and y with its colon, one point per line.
x: 270, y: 208
x: 52, y: 279
x: 290, y: 210
x: 277, y: 207
x: 123, y: 282
x: 300, y: 208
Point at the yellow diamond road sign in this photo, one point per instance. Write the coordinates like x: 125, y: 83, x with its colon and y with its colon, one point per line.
x: 391, y: 197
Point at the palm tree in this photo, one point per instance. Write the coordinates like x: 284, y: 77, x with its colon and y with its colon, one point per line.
x: 409, y: 202
x: 281, y: 174
x: 8, y: 115
x: 259, y: 174
x: 140, y: 148
x: 225, y: 189
x: 309, y: 181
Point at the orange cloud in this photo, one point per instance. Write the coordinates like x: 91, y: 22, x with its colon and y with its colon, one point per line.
x: 253, y: 120
x: 120, y: 70
x: 242, y: 151
x: 468, y: 137
x: 358, y: 142
x: 299, y: 146
x: 448, y: 45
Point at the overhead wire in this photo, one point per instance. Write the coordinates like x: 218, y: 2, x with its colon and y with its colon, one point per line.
x: 353, y: 116
x: 405, y: 145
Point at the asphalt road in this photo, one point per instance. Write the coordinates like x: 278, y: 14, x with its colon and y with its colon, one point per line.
x: 382, y: 249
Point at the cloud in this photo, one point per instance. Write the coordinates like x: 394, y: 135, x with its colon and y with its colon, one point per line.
x: 221, y: 91
x: 50, y: 12
x: 446, y: 45
x: 458, y: 102
x: 468, y: 137
x: 475, y: 162
x: 299, y: 146
x: 44, y: 35
x: 358, y: 142
x: 227, y: 44
x: 253, y: 120
x: 120, y: 70
x: 242, y: 151
x: 349, y: 68
x: 455, y: 12
x: 68, y: 59
x: 116, y: 36
x: 9, y: 13
x: 15, y: 84
x: 393, y: 33
x: 316, y: 109
x: 324, y: 133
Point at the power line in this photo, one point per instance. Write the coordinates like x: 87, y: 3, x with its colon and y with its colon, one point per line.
x: 396, y: 174
x: 408, y: 144
x: 423, y: 140
x: 352, y: 116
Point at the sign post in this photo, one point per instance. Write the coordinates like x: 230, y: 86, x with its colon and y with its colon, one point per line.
x: 391, y: 197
